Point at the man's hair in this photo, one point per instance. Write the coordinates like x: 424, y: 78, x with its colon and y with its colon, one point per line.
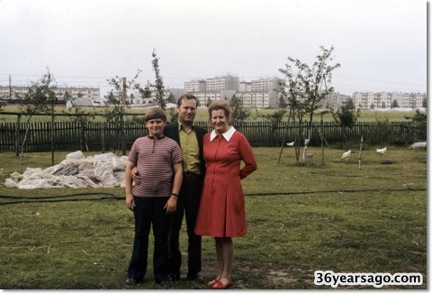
x: 186, y: 96
x: 155, y: 113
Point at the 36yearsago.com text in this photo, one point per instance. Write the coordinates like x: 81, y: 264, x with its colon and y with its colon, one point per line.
x: 377, y: 280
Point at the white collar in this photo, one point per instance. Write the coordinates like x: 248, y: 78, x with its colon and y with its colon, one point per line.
x: 227, y: 135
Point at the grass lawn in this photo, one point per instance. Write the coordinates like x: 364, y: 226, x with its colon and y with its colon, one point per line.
x: 202, y: 114
x: 302, y: 218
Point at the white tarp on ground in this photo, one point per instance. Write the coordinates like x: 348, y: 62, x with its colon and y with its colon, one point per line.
x: 76, y: 171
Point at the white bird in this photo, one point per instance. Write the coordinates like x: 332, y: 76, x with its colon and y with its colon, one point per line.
x: 306, y: 142
x: 346, y: 155
x: 290, y: 144
x: 382, y: 150
x: 418, y: 145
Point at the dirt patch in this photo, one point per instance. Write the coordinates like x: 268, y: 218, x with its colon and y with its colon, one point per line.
x: 273, y: 277
x: 278, y: 277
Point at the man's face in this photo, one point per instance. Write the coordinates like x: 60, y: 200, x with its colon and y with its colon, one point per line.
x: 187, y: 111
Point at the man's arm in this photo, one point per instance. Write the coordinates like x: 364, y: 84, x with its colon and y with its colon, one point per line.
x: 171, y: 204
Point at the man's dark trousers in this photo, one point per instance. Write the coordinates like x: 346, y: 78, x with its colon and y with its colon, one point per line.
x: 187, y: 204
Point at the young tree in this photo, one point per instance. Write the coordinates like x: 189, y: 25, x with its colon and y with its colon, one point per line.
x: 209, y: 101
x: 282, y: 103
x: 419, y: 126
x: 160, y: 95
x: 239, y: 114
x: 394, y: 104
x: 346, y: 116
x: 81, y: 117
x: 116, y: 103
x: 350, y: 104
x: 40, y: 99
x: 275, y: 118
x: 171, y: 98
x: 145, y: 92
x: 305, y: 89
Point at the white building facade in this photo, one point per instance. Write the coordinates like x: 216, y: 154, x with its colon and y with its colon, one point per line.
x: 373, y: 100
x: 195, y: 86
x: 62, y: 93
x: 228, y: 82
x: 259, y: 93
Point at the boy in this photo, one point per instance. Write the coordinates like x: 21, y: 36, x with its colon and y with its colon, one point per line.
x: 159, y: 163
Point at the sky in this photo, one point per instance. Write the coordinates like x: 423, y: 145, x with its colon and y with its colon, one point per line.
x: 381, y: 45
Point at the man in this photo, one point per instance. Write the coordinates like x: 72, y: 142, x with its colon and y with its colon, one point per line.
x: 190, y: 139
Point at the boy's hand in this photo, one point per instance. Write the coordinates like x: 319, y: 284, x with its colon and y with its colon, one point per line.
x: 171, y: 205
x: 130, y: 203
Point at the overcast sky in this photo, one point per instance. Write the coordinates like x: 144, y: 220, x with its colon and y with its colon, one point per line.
x: 381, y: 45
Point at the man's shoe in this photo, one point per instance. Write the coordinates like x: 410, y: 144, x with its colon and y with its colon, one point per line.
x: 164, y: 281
x: 130, y: 282
x: 195, y: 277
x: 174, y: 277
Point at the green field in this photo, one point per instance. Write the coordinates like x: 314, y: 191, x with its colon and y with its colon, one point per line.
x: 202, y: 114
x: 302, y: 218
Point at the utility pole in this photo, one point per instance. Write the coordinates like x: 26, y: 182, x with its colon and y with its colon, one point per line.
x: 122, y: 106
x: 10, y: 87
x: 123, y: 96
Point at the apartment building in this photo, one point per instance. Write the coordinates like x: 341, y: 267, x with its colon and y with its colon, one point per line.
x: 13, y: 93
x: 136, y: 98
x: 207, y: 97
x: 195, y: 86
x: 255, y: 94
x: 62, y: 93
x: 269, y: 99
x: 265, y: 85
x: 245, y: 86
x: 228, y: 82
x: 372, y: 100
x: 86, y: 93
x: 334, y: 100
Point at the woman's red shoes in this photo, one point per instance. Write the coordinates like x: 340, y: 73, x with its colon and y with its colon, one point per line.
x: 220, y: 285
x: 212, y: 282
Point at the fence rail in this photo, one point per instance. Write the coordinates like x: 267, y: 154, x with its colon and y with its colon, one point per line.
x: 109, y: 136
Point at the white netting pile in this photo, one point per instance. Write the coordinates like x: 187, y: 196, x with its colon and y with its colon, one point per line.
x: 76, y: 171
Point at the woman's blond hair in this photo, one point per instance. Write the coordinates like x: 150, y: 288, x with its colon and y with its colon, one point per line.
x: 218, y: 105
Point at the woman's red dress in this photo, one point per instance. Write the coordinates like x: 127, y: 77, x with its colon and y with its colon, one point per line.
x: 222, y: 210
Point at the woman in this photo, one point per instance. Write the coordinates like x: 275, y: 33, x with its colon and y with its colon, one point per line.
x: 222, y: 212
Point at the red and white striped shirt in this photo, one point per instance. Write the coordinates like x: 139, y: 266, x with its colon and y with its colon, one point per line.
x: 155, y: 159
